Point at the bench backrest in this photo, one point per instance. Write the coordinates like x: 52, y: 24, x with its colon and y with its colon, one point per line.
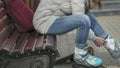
x: 13, y: 42
x: 6, y: 27
x: 32, y: 3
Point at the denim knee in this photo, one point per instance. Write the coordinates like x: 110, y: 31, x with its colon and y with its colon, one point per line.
x: 85, y: 21
x: 80, y: 19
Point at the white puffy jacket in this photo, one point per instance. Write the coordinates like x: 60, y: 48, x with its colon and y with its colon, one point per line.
x: 49, y: 10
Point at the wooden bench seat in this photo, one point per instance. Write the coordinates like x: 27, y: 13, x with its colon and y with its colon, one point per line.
x: 16, y: 45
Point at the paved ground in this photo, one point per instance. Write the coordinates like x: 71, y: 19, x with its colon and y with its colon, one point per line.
x: 111, y: 24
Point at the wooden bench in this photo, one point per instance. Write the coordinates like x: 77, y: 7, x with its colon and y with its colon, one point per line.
x: 15, y: 45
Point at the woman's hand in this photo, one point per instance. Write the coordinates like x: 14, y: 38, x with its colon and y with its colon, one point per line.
x: 99, y: 41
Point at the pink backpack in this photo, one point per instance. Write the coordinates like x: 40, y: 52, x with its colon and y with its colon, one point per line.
x: 20, y: 13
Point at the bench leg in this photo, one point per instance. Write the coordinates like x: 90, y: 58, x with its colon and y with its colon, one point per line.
x: 37, y: 59
x: 45, y: 61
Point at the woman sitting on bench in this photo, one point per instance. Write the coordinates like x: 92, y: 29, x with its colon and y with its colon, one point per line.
x: 61, y: 16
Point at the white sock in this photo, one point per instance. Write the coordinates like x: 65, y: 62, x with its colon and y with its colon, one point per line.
x: 80, y: 51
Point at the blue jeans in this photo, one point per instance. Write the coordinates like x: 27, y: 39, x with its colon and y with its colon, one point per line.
x: 96, y: 27
x: 80, y: 22
x: 68, y: 23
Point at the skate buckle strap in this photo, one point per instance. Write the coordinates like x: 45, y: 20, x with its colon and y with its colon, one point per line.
x: 84, y: 57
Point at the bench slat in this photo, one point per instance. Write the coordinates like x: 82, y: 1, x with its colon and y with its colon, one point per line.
x: 2, y: 12
x: 10, y: 43
x: 27, y: 2
x: 30, y: 42
x: 20, y: 44
x: 3, y: 22
x: 39, y: 43
x: 36, y: 3
x: 1, y: 4
x: 32, y: 4
x: 50, y: 42
x: 6, y: 33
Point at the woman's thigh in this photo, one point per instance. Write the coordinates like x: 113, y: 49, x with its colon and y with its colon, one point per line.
x: 68, y: 23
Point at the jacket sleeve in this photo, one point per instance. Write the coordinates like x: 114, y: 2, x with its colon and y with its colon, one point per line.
x: 78, y: 6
